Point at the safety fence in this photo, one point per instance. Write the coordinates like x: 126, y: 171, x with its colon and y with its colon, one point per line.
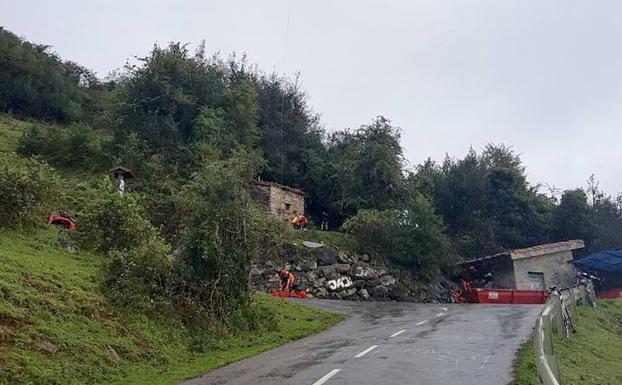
x: 557, y: 316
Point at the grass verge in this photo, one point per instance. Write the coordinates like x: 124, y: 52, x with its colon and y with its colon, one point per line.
x: 589, y: 357
x: 57, y: 328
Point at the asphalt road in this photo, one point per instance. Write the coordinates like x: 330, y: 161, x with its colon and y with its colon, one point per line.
x: 394, y: 343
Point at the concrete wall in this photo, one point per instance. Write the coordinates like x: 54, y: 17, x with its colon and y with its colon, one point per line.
x: 556, y: 269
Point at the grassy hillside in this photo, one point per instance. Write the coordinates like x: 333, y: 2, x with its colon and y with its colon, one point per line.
x: 57, y: 328
x: 11, y: 130
x: 590, y: 357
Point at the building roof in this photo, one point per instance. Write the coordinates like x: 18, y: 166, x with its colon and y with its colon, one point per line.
x: 607, y: 260
x: 548, y: 248
x: 274, y: 184
x: 123, y: 170
x: 534, y: 251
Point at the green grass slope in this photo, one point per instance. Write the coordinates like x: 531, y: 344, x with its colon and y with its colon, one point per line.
x: 11, y: 130
x: 589, y: 357
x: 57, y: 328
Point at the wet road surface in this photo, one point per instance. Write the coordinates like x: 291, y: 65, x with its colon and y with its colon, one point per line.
x: 394, y: 343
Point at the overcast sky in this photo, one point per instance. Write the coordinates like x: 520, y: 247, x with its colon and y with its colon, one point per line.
x: 542, y: 76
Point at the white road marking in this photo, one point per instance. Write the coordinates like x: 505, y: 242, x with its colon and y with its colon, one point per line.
x: 444, y: 309
x: 326, y: 377
x: 369, y: 349
x: 439, y: 315
x: 421, y: 323
x: 397, y: 333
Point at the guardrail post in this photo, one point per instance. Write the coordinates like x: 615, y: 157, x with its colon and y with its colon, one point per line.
x: 573, y: 302
x: 548, y: 345
x: 559, y: 318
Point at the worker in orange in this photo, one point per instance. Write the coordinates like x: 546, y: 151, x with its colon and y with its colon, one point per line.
x: 288, y: 280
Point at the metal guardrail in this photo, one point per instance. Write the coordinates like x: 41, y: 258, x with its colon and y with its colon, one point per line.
x: 557, y: 315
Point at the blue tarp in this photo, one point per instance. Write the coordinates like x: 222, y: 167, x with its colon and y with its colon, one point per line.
x: 608, y: 260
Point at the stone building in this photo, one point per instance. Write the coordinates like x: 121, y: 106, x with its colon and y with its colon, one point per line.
x: 534, y: 268
x: 280, y: 201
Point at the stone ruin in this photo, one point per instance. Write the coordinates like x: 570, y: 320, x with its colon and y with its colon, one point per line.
x: 326, y: 272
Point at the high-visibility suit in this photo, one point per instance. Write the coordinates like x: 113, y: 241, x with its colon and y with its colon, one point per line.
x: 288, y: 281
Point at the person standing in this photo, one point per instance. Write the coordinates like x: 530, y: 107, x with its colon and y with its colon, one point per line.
x: 324, y: 224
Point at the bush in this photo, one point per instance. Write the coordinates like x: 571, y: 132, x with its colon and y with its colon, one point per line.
x: 140, y: 266
x: 411, y: 237
x: 222, y: 232
x: 141, y: 275
x: 113, y: 222
x: 29, y: 190
x: 74, y: 147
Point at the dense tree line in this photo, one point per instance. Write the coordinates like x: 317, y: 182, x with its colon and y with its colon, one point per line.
x: 196, y: 129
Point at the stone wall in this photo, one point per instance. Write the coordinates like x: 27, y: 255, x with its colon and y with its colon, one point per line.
x: 286, y: 203
x: 326, y: 272
x: 280, y: 201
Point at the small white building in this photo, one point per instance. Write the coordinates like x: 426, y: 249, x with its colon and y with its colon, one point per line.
x: 533, y: 268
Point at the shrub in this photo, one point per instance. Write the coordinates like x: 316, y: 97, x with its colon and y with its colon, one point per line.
x: 73, y: 147
x: 141, y: 275
x: 29, y: 190
x: 140, y: 265
x: 113, y: 222
x: 411, y: 237
x: 222, y: 233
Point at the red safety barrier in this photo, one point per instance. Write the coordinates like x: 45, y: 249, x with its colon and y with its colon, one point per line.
x: 611, y: 294
x: 506, y: 296
x: 289, y: 294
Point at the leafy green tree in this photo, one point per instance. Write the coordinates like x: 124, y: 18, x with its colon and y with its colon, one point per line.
x: 573, y: 217
x: 411, y: 236
x: 36, y: 83
x: 368, y: 167
x: 486, y: 201
x: 222, y: 232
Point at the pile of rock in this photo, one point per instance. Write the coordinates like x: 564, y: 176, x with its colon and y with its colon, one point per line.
x: 326, y: 272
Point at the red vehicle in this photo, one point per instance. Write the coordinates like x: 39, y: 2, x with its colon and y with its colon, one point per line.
x: 62, y: 220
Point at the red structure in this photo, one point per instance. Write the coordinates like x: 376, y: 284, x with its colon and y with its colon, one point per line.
x: 63, y: 221
x: 289, y: 293
x: 611, y: 294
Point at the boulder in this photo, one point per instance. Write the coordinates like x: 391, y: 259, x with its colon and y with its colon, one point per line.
x: 344, y: 258
x: 321, y: 282
x: 309, y: 265
x: 321, y: 293
x: 113, y: 354
x: 298, y: 267
x: 342, y: 268
x: 348, y: 292
x: 364, y: 272
x: 364, y: 294
x: 338, y: 284
x: 387, y: 280
x: 45, y: 346
x: 380, y: 292
x: 398, y: 293
x: 364, y: 258
x: 328, y: 271
x: 326, y: 256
